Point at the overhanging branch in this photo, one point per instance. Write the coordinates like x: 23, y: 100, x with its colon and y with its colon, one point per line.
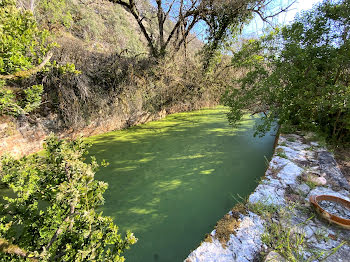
x: 27, y: 73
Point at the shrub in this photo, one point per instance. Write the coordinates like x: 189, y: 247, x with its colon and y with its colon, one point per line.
x: 22, y: 43
x: 51, y: 212
x: 22, y: 47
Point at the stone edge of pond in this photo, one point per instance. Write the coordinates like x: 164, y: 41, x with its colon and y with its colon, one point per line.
x: 298, y: 169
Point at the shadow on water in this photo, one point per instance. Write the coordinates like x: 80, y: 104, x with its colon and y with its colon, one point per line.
x: 171, y: 180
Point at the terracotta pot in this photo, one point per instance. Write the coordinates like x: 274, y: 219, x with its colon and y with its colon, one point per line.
x: 330, y: 217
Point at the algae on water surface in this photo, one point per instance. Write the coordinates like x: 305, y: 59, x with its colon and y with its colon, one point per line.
x: 171, y: 180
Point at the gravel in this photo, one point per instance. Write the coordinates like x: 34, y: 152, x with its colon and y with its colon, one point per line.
x: 335, y: 208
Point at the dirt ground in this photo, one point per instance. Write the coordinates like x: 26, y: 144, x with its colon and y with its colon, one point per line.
x: 342, y: 156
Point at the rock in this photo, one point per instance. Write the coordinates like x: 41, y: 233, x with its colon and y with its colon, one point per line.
x: 315, y: 144
x: 304, y: 188
x: 314, y: 178
x: 242, y: 247
x: 274, y: 257
x: 289, y: 173
x: 342, y: 255
x: 309, y: 231
x: 296, y: 152
x: 329, y: 166
x: 268, y: 194
x: 320, y: 181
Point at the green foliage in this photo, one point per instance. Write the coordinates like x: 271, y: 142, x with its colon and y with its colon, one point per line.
x: 51, y: 212
x: 54, y: 13
x: 299, y: 74
x: 30, y: 101
x: 280, y: 152
x: 32, y: 98
x: 7, y: 101
x: 262, y: 209
x: 66, y: 68
x: 22, y: 46
x: 286, y: 242
x: 227, y: 19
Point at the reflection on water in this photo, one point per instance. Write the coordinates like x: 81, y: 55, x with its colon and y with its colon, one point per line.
x: 170, y: 181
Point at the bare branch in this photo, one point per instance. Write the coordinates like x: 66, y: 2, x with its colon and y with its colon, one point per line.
x: 6, y: 247
x: 186, y: 32
x: 169, y: 10
x: 190, y: 12
x: 120, y: 2
x: 218, y: 15
x: 265, y: 18
x: 131, y: 7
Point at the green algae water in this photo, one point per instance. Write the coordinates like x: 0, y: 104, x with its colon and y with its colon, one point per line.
x: 170, y: 181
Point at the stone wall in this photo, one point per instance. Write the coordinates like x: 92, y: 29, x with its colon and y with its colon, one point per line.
x: 22, y: 136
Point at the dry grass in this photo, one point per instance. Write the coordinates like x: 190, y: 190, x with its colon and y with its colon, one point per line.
x: 226, y: 227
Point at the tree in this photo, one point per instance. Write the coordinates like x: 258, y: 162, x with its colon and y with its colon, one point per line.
x: 51, y: 212
x: 220, y: 17
x: 298, y: 75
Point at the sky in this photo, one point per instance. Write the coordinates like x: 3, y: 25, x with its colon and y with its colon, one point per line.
x: 256, y: 26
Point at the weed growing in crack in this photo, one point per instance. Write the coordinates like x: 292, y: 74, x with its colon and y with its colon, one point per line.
x: 291, y: 139
x: 322, y: 255
x: 311, y: 184
x: 286, y: 242
x: 286, y: 238
x: 305, y: 209
x: 311, y: 148
x: 267, y: 161
x: 321, y: 235
x: 262, y: 209
x: 283, y: 144
x: 280, y: 152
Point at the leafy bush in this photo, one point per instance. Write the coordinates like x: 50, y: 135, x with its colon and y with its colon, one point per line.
x: 7, y: 100
x: 51, y: 212
x: 30, y: 101
x: 299, y: 74
x: 22, y: 43
x: 22, y: 47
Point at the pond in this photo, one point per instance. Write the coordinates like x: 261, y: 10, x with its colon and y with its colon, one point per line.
x: 171, y: 180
